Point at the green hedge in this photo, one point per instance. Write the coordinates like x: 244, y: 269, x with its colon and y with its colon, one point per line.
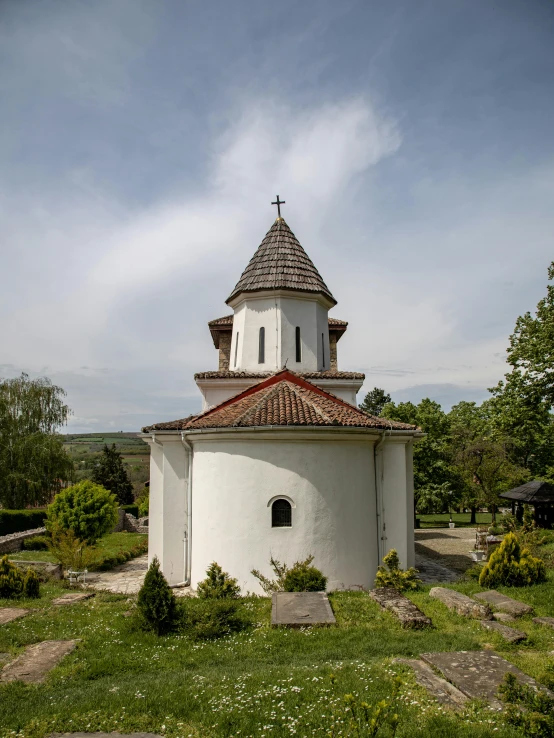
x: 131, y: 509
x: 15, y: 521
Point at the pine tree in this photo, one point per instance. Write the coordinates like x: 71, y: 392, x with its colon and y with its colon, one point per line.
x: 156, y: 601
x: 375, y: 401
x: 111, y: 474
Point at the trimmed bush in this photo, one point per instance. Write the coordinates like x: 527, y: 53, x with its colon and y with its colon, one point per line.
x: 207, y: 619
x: 131, y: 509
x: 16, y: 521
x: 36, y: 543
x: 302, y: 577
x: 31, y: 584
x: 13, y: 583
x: 512, y: 566
x: 391, y: 575
x: 218, y: 584
x: 156, y: 602
x: 86, y: 508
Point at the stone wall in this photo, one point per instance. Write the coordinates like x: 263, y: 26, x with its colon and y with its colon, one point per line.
x: 333, y: 351
x: 224, y: 350
x: 14, y: 541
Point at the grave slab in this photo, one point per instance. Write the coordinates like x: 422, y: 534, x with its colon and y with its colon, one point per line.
x: 461, y: 604
x: 71, y: 597
x: 404, y: 609
x: 477, y: 674
x: 509, y: 634
x: 36, y: 661
x: 444, y: 692
x: 296, y: 609
x: 544, y: 621
x: 503, y: 603
x: 503, y: 617
x: 7, y: 614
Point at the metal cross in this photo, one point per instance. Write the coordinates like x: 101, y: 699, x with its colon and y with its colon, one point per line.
x: 278, y: 203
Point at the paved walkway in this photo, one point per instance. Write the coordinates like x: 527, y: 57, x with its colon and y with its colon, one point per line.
x: 126, y: 578
x: 449, y: 547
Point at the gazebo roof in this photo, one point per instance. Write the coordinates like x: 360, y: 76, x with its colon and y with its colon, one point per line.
x: 535, y: 492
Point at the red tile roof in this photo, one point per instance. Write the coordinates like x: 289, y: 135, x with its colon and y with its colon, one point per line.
x: 229, y: 374
x: 280, y: 262
x: 284, y: 399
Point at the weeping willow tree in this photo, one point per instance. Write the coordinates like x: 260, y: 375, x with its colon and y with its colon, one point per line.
x: 33, y: 461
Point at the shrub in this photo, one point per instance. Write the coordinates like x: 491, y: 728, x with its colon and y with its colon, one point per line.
x: 302, y: 577
x: 156, y: 601
x: 206, y: 619
x: 70, y: 551
x: 218, y: 584
x: 86, y: 508
x: 272, y: 585
x: 11, y: 579
x: 110, y: 560
x: 143, y: 503
x: 16, y: 521
x: 511, y: 565
x: 391, y: 575
x: 36, y: 543
x: 528, y: 709
x: 131, y: 509
x: 31, y: 584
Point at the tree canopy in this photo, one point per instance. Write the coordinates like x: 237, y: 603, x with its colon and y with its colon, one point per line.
x: 374, y: 402
x: 110, y: 472
x: 33, y: 461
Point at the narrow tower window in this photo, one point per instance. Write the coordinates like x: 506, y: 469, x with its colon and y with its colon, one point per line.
x: 323, y: 350
x: 236, y: 349
x: 298, y: 345
x: 261, y: 347
x: 281, y: 514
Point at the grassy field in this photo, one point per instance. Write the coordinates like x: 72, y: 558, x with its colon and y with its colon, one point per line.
x: 441, y: 520
x: 110, y: 546
x: 262, y: 682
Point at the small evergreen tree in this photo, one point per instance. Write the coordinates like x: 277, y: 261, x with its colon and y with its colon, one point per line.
x: 11, y: 579
x: 156, y: 601
x: 375, y: 401
x: 31, y: 584
x: 391, y: 575
x: 513, y: 566
x: 111, y: 473
x: 87, y: 509
x: 218, y: 584
x: 302, y: 577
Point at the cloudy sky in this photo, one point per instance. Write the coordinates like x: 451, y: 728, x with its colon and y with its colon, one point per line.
x: 141, y: 144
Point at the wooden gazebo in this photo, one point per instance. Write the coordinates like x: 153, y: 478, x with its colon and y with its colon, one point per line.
x: 540, y: 495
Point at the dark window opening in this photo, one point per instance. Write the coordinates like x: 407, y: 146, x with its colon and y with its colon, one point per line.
x: 261, y: 347
x: 298, y: 345
x: 236, y: 348
x: 281, y: 514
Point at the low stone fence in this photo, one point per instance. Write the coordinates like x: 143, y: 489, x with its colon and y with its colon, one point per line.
x: 14, y: 541
x: 128, y: 522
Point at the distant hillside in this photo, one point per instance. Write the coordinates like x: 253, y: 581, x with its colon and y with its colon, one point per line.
x: 84, y: 449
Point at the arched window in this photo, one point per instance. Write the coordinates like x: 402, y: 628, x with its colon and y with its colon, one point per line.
x: 261, y: 347
x: 298, y: 345
x: 281, y: 514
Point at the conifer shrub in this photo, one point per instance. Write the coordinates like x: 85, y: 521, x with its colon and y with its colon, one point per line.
x: 209, y: 618
x: 218, y: 584
x: 530, y: 710
x: 513, y: 566
x: 156, y: 602
x: 272, y: 585
x: 70, y: 551
x: 11, y: 579
x: 391, y: 575
x: 31, y: 584
x: 87, y: 509
x: 302, y: 577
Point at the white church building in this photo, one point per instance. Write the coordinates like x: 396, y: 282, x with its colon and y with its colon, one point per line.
x: 280, y: 461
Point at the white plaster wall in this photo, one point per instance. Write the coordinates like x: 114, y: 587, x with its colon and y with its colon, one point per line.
x: 155, y: 504
x: 301, y: 313
x: 398, y: 499
x: 332, y: 484
x: 216, y: 391
x: 322, y: 321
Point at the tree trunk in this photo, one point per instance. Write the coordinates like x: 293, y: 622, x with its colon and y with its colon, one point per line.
x: 493, y: 513
x: 473, y: 518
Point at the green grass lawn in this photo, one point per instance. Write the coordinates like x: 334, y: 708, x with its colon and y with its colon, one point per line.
x: 109, y: 546
x: 262, y: 682
x: 441, y: 520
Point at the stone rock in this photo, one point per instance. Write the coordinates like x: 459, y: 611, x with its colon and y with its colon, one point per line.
x: 7, y: 614
x: 503, y: 603
x: 477, y: 674
x: 461, y: 604
x: 439, y: 688
x: 409, y: 615
x: 36, y: 661
x: 544, y: 621
x: 44, y: 569
x: 509, y: 634
x: 503, y: 617
x: 71, y: 597
x: 296, y: 609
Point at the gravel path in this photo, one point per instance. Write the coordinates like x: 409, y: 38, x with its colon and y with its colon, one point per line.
x: 449, y: 547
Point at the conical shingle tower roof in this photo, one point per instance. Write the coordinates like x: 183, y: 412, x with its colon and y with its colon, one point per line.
x: 281, y: 263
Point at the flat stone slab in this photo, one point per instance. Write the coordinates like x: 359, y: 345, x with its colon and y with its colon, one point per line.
x: 444, y: 692
x: 461, y: 604
x: 509, y: 634
x: 296, y: 609
x: 503, y: 617
x: 404, y: 609
x: 477, y: 674
x: 7, y: 614
x: 36, y: 661
x: 104, y: 735
x: 71, y: 597
x: 544, y: 621
x: 45, y: 569
x: 503, y: 603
